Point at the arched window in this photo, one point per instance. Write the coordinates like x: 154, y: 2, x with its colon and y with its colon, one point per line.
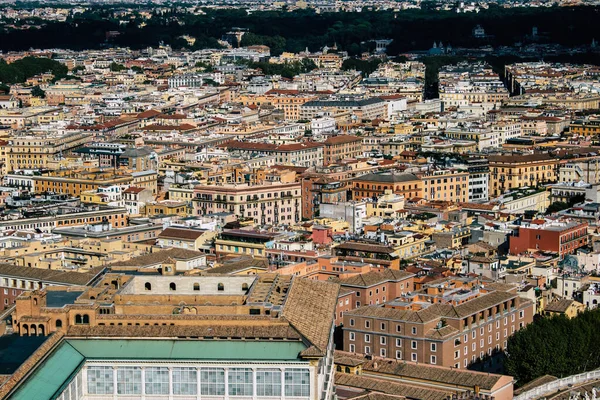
x: 41, y: 330
x: 148, y: 286
x: 86, y: 319
x: 244, y: 287
x: 35, y: 301
x: 59, y: 323
x: 172, y: 286
x: 220, y: 287
x: 78, y: 319
x: 25, y: 329
x: 196, y: 286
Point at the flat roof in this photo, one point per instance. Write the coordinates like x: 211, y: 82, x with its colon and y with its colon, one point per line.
x: 15, y: 349
x: 60, y: 298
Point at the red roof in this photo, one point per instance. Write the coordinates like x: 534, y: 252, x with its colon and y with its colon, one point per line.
x: 148, y: 114
x: 134, y: 189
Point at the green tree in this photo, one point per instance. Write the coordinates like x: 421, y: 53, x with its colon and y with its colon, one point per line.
x: 365, y: 66
x: 554, y: 346
x: 36, y: 91
x: 116, y: 67
x: 556, y: 207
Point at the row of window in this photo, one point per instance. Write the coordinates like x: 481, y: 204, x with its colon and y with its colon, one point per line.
x: 193, y: 381
x: 383, y: 326
x: 195, y: 286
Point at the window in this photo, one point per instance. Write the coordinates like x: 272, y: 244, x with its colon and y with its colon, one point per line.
x: 367, y: 324
x: 297, y: 383
x: 433, y: 347
x: 268, y: 382
x: 383, y: 326
x: 367, y: 350
x: 212, y: 382
x: 157, y: 380
x: 220, y: 287
x: 399, y: 354
x: 100, y: 380
x: 240, y: 381
x: 59, y: 323
x: 382, y: 340
x: 196, y: 287
x: 129, y: 380
x: 433, y: 360
x: 382, y: 352
x: 352, y: 336
x: 172, y: 286
x: 185, y: 381
x: 413, y: 344
x: 398, y: 328
x: 521, y: 314
x: 414, y: 330
x: 398, y: 342
x: 351, y: 322
x: 148, y: 286
x: 367, y: 338
x: 456, y: 354
x: 413, y: 356
x: 352, y: 348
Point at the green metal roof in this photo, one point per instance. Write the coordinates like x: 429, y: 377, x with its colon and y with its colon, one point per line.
x: 54, y: 373
x: 51, y: 375
x: 226, y: 350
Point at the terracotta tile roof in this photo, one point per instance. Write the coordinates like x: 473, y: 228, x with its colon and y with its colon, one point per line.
x: 159, y: 257
x: 182, y: 127
x: 423, y: 372
x: 181, y: 233
x: 374, y: 278
x: 518, y: 158
x: 436, y: 311
x: 340, y: 139
x: 38, y: 274
x: 559, y: 306
x: 134, y: 189
x: 310, y: 308
x: 239, y: 264
x: 376, y: 396
x: 389, y: 387
x: 542, y: 380
x: 240, y: 329
x: 375, y: 248
x: 148, y: 114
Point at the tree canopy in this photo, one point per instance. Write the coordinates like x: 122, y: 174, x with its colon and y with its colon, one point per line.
x: 296, y: 30
x: 555, y: 346
x: 287, y: 70
x: 20, y: 70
